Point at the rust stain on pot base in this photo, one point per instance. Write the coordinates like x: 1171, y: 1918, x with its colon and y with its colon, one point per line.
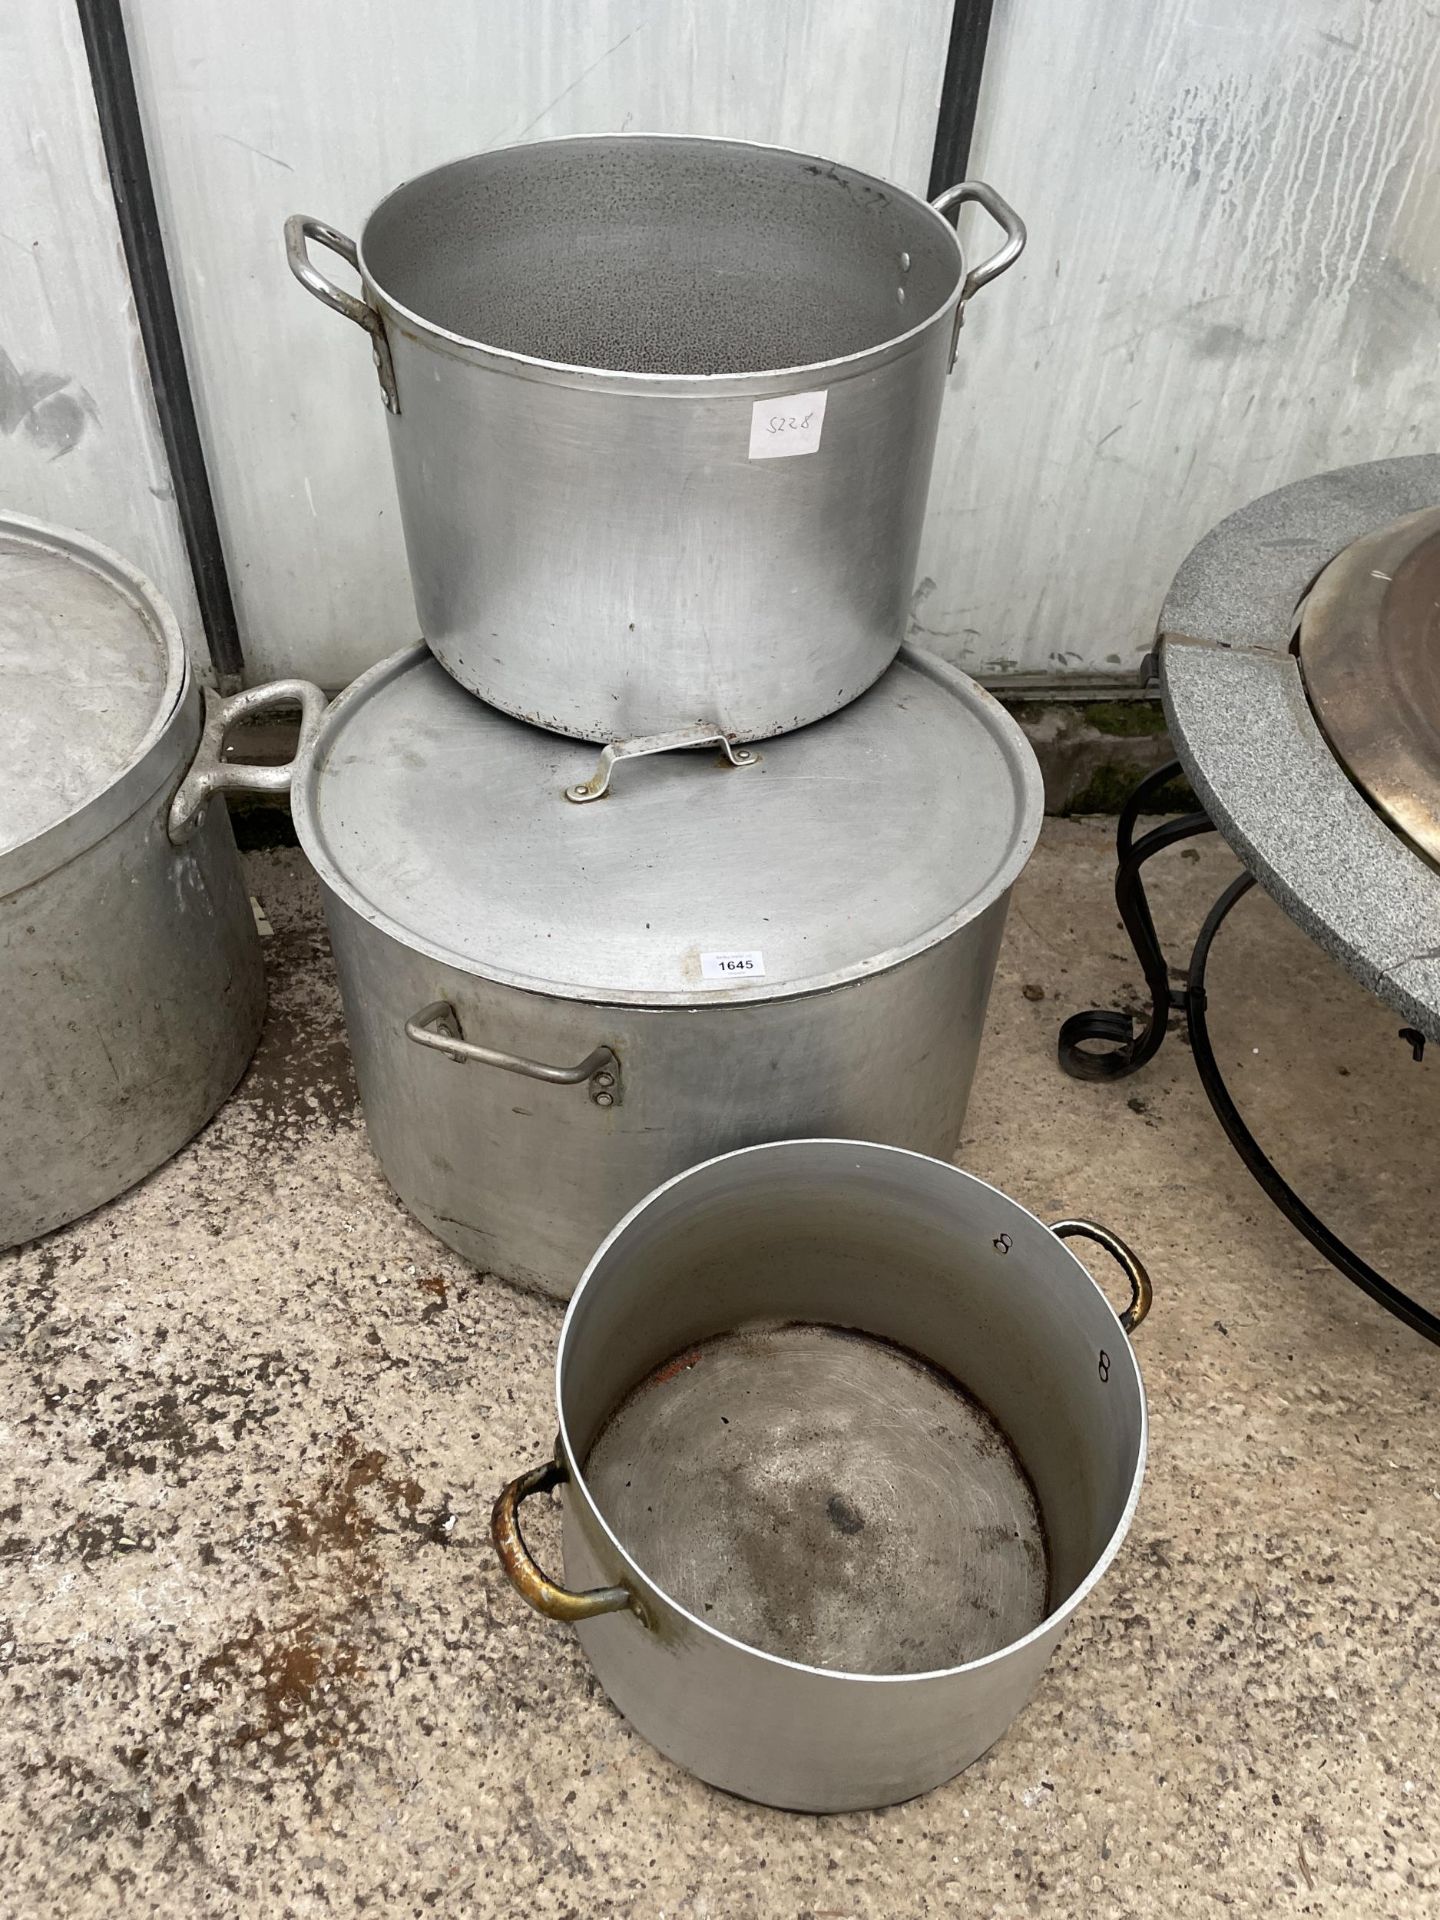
x: 680, y: 1364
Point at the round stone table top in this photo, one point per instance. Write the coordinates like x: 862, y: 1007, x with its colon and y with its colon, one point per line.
x: 1246, y: 736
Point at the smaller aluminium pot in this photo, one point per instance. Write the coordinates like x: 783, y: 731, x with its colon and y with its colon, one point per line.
x: 846, y: 1437
x: 662, y: 413
x: 130, y: 968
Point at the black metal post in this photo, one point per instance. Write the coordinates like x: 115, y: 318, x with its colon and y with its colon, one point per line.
x: 960, y: 93
x: 103, y: 26
x: 1125, y: 1050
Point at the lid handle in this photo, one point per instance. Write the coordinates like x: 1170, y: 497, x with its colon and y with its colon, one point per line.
x: 704, y: 734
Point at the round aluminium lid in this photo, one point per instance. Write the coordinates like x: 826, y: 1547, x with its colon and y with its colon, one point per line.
x: 92, y: 668
x: 1369, y: 648
x: 843, y: 849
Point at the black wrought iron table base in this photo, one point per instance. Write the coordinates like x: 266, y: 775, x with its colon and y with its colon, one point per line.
x: 1105, y: 1045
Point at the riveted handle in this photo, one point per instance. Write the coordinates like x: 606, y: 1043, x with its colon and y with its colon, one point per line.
x: 301, y: 228
x: 1141, y: 1291
x: 994, y: 264
x: 209, y: 774
x: 534, y: 1587
x: 438, y: 1027
x: 703, y: 734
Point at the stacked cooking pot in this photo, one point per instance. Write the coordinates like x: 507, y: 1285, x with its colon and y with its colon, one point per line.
x: 131, y: 985
x: 662, y: 414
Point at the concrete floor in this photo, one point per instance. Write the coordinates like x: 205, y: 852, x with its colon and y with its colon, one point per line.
x: 259, y: 1660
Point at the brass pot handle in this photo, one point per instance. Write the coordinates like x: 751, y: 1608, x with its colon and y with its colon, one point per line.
x: 533, y: 1586
x: 1141, y: 1291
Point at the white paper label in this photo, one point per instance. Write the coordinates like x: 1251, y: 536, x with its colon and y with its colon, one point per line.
x: 732, y: 966
x: 788, y: 424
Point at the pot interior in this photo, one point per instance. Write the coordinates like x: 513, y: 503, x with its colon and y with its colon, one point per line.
x: 827, y: 1497
x: 900, y: 1503
x: 661, y: 256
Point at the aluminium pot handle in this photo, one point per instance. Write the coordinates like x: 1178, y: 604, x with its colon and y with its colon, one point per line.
x: 299, y: 229
x: 1141, y: 1291
x: 438, y: 1026
x: 533, y: 1586
x: 209, y: 774
x: 1010, y: 224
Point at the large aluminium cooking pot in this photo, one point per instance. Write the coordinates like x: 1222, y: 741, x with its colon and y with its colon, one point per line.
x: 662, y: 413
x: 561, y: 990
x: 846, y: 1437
x: 131, y: 984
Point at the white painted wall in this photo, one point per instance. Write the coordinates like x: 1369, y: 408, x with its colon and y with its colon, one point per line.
x: 79, y: 441
x: 275, y: 107
x: 1232, y: 281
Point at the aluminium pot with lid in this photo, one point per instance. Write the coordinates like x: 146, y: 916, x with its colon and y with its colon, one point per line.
x: 662, y: 413
x: 96, y: 698
x: 565, y: 982
x: 130, y: 968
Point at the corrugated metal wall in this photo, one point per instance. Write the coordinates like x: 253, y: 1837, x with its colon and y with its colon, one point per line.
x: 79, y: 440
x: 1232, y: 281
x: 1232, y: 277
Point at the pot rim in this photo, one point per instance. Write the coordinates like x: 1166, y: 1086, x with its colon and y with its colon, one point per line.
x: 1030, y: 815
x: 1053, y: 1622
x: 753, y: 383
x: 167, y: 743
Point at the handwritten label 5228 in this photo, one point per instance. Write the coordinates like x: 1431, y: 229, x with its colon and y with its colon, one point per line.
x: 788, y: 424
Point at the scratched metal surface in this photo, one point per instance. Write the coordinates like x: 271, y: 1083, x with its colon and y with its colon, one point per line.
x: 79, y: 440
x: 1231, y: 282
x: 322, y: 109
x: 827, y: 1497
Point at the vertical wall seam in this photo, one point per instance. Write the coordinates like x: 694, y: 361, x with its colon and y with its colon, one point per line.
x: 113, y: 81
x: 960, y: 93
